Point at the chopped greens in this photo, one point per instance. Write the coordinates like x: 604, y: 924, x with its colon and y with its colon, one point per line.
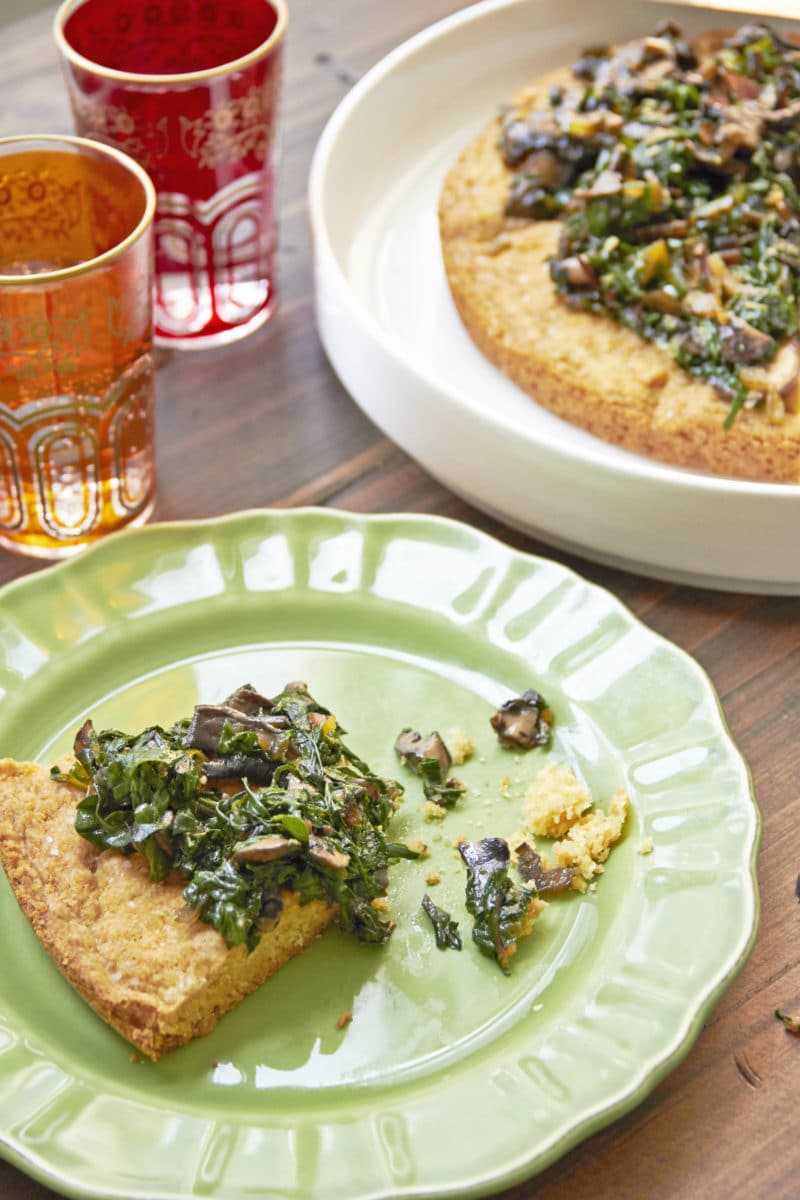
x: 444, y: 927
x: 502, y: 911
x: 429, y: 758
x: 244, y: 800
x: 677, y: 184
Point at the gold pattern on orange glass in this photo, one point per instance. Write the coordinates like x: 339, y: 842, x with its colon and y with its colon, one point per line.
x: 76, y: 369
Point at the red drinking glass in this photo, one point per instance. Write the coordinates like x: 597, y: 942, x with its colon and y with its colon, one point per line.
x: 190, y: 89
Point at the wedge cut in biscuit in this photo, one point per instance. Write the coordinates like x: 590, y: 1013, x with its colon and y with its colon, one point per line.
x: 124, y: 942
x: 586, y: 366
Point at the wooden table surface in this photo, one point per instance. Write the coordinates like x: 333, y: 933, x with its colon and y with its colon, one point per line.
x: 270, y: 411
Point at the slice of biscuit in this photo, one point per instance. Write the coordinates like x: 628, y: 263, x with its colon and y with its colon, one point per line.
x: 584, y: 367
x: 122, y: 941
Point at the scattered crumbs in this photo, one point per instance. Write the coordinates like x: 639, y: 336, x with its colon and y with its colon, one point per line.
x: 135, y: 1058
x: 344, y: 1019
x: 505, y: 787
x: 381, y: 903
x: 432, y: 878
x: 437, y: 837
x: 459, y: 841
x: 593, y: 885
x: 645, y: 846
x: 433, y: 811
x: 214, y: 1063
x: 419, y: 847
x: 460, y: 745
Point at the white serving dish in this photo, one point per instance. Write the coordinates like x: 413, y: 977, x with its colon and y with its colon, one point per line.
x: 392, y: 334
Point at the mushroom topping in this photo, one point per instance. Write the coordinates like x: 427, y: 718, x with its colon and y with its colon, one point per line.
x: 577, y: 272
x: 247, y: 700
x: 266, y: 849
x: 327, y: 855
x: 82, y: 740
x: 742, y: 343
x: 524, y: 721
x: 532, y: 870
x: 414, y: 750
x: 651, y: 144
x: 241, y: 766
x: 209, y: 721
x: 781, y: 376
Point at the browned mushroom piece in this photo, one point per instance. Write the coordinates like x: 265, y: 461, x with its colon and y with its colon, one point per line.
x: 414, y: 749
x: 266, y: 849
x: 247, y: 700
x: 82, y: 739
x: 532, y: 870
x: 741, y: 343
x: 240, y: 766
x: 209, y: 720
x: 326, y: 855
x: 781, y: 375
x: 523, y: 722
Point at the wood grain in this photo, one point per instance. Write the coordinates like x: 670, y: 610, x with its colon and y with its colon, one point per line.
x: 265, y: 422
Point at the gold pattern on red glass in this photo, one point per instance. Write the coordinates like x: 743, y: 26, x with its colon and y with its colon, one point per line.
x: 191, y: 92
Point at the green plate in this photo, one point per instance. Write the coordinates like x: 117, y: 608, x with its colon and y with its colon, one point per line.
x: 451, y: 1078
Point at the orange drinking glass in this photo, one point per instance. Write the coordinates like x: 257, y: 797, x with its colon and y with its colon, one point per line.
x: 77, y: 456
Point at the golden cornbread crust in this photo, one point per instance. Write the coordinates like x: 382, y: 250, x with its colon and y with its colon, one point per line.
x: 122, y: 941
x: 582, y: 366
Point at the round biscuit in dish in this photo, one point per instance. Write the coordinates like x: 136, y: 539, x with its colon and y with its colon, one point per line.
x: 585, y: 367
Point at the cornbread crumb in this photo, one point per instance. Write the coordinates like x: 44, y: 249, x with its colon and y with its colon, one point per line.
x: 344, y: 1019
x: 460, y: 745
x: 432, y: 878
x: 381, y: 903
x: 525, y: 924
x: 554, y: 801
x: 433, y: 811
x: 645, y: 846
x: 505, y: 787
x: 589, y: 841
x: 419, y: 847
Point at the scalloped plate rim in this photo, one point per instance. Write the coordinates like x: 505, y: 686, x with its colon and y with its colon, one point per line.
x: 688, y: 1027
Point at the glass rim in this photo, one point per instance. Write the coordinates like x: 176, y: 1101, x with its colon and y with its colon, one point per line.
x: 67, y: 7
x: 55, y: 140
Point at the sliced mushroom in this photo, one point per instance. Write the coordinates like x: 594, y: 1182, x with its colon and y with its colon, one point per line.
x: 327, y: 855
x: 524, y: 721
x: 701, y: 304
x: 743, y: 344
x: 413, y: 748
x: 209, y: 720
x: 247, y: 700
x: 532, y: 870
x: 266, y: 849
x: 607, y: 183
x: 82, y: 740
x: 780, y: 377
x: 241, y: 766
x: 547, y: 170
x: 574, y: 271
